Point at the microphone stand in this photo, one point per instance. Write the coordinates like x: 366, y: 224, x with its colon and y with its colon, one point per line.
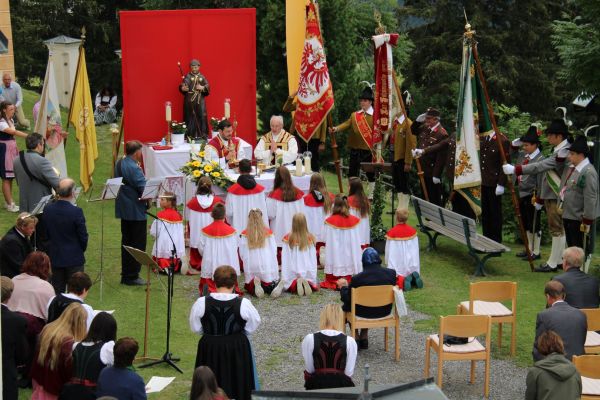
x: 167, y: 357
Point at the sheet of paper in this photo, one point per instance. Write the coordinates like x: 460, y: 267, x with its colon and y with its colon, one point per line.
x: 151, y: 189
x: 158, y: 383
x: 112, y: 188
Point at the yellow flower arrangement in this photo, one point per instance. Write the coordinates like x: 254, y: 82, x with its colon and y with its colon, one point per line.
x: 198, y: 167
x: 196, y: 164
x: 201, y: 154
x: 196, y: 173
x: 208, y: 168
x: 216, y: 174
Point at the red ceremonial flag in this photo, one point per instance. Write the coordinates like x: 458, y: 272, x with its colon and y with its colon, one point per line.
x: 315, y: 93
x: 383, y: 84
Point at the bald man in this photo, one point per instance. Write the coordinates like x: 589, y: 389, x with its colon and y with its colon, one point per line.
x: 67, y: 235
x: 11, y: 91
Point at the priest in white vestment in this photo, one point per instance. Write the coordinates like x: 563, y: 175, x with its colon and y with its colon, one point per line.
x: 276, y: 143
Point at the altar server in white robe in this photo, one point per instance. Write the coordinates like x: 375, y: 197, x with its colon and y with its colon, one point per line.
x: 360, y: 207
x: 226, y: 149
x: 218, y: 246
x: 343, y: 255
x: 317, y: 207
x: 402, y: 248
x: 168, y: 225
x: 282, y: 203
x: 243, y: 196
x: 198, y: 211
x: 298, y: 259
x: 258, y: 252
x: 276, y: 143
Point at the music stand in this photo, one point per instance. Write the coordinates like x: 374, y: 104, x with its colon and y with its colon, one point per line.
x: 38, y: 210
x: 110, y: 192
x: 152, y: 189
x: 146, y: 260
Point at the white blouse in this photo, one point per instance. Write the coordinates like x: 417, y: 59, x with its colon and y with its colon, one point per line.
x: 247, y: 311
x: 106, y: 351
x: 308, y: 345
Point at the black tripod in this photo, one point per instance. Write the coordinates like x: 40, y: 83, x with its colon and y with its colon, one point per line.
x: 167, y: 357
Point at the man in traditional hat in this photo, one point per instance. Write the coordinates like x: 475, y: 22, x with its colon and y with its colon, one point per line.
x: 579, y: 195
x: 432, y: 145
x: 404, y: 143
x: 551, y: 169
x: 361, y: 122
x: 195, y: 88
x: 529, y: 189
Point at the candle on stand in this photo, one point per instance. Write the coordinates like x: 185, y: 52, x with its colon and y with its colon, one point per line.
x: 307, y: 166
x: 298, y: 167
x: 168, y: 111
x: 227, y: 109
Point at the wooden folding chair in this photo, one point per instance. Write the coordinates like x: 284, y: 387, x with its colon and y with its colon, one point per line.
x: 375, y: 296
x: 468, y: 326
x: 589, y: 369
x: 485, y: 299
x: 592, y: 340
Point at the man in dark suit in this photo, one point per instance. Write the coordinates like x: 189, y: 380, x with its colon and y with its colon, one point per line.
x: 16, y: 245
x: 373, y: 274
x: 14, y: 344
x: 568, y: 322
x: 67, y: 235
x: 582, y: 290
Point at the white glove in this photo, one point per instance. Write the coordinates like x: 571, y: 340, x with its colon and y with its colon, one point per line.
x: 279, y: 152
x: 416, y: 153
x: 517, y: 143
x: 538, y: 206
x: 436, y: 181
x: 508, y: 169
x: 421, y: 118
x: 499, y: 190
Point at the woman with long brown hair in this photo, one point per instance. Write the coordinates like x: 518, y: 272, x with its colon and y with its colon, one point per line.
x: 205, y: 386
x: 53, y: 362
x: 283, y: 202
x: 298, y: 258
x: 317, y: 206
x: 342, y: 244
x: 258, y: 252
x: 8, y: 152
x: 360, y: 207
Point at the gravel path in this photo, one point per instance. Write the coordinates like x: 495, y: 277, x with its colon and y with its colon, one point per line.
x: 287, y: 320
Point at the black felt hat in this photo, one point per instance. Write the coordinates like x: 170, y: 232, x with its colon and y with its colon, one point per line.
x: 432, y: 112
x: 531, y: 136
x: 366, y: 94
x: 558, y: 127
x: 580, y: 145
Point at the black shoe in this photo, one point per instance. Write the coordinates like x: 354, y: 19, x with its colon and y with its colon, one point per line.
x: 363, y: 344
x: 533, y: 257
x: 559, y: 266
x: 133, y: 282
x: 545, y: 268
x: 521, y: 254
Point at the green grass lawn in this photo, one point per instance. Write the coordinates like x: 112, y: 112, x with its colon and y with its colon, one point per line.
x: 446, y: 273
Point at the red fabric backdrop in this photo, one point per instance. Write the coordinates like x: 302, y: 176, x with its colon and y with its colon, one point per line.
x: 152, y: 42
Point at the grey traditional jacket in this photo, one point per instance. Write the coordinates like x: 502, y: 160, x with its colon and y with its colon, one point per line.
x: 579, y: 193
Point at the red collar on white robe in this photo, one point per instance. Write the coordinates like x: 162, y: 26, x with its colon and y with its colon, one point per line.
x: 218, y: 229
x: 170, y: 215
x: 195, y: 206
x: 277, y: 194
x: 237, y: 189
x: 401, y: 232
x: 309, y: 200
x: 340, y: 222
x: 219, y: 145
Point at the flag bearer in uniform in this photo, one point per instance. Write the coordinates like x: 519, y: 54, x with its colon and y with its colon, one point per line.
x: 169, y: 225
x: 224, y: 148
x: 551, y: 169
x: 342, y: 244
x: 402, y: 248
x: 529, y: 189
x: 218, y: 246
x: 298, y: 259
x: 198, y: 215
x: 243, y: 196
x: 579, y: 195
x: 404, y: 143
x: 276, y: 143
x: 360, y: 139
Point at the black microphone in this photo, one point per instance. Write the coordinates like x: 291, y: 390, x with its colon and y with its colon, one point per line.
x: 150, y: 214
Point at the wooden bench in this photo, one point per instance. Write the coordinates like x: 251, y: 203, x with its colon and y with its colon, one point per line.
x: 435, y: 221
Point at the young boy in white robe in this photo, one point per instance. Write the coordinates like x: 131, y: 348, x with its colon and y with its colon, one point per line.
x: 343, y: 254
x: 360, y: 207
x: 317, y: 207
x: 198, y: 211
x: 169, y: 222
x: 243, y: 196
x: 282, y: 203
x: 298, y: 259
x: 402, y: 251
x: 218, y: 246
x: 258, y: 252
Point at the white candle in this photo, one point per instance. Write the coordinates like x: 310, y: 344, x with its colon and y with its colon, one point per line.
x: 307, y: 166
x: 168, y: 112
x: 298, y: 167
x: 227, y: 109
